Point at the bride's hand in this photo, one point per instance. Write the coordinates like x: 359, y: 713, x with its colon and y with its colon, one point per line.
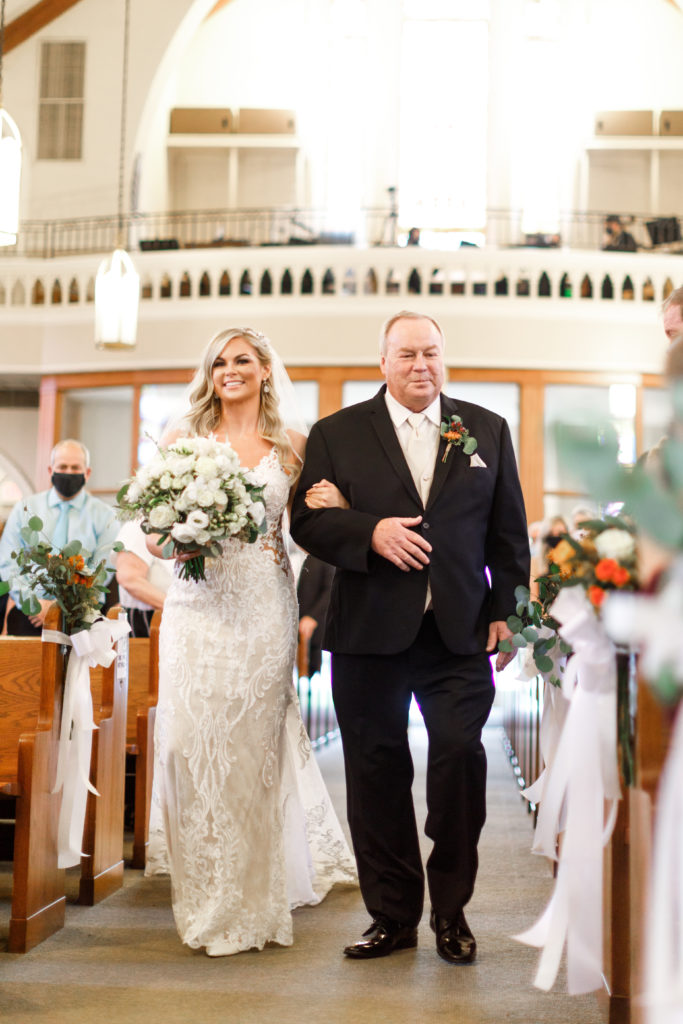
x: 186, y: 556
x: 325, y: 495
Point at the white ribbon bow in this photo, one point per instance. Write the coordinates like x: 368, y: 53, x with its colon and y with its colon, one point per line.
x: 582, y: 782
x: 91, y: 647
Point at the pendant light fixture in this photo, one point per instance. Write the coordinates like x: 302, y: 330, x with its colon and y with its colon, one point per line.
x: 10, y: 161
x: 117, y: 285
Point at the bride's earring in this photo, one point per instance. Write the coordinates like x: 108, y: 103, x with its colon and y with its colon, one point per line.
x: 266, y: 387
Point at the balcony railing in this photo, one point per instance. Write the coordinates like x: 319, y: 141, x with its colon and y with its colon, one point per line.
x: 293, y: 226
x: 523, y: 276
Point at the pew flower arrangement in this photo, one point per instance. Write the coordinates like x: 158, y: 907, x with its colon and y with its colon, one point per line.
x: 602, y: 561
x: 194, y: 494
x: 65, y: 576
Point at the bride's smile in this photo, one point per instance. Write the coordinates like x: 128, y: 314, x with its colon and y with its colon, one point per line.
x: 238, y: 372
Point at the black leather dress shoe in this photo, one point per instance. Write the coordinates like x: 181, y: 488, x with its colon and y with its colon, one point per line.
x: 455, y: 942
x: 381, y: 939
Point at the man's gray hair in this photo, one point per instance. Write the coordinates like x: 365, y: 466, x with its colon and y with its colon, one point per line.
x: 70, y: 440
x: 405, y: 314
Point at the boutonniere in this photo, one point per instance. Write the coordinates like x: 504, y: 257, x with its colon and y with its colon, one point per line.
x: 456, y: 433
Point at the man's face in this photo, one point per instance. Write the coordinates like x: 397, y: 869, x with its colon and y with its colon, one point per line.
x: 413, y: 365
x: 673, y: 322
x: 69, y: 458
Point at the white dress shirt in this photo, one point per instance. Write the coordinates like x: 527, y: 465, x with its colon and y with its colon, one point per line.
x: 430, y: 431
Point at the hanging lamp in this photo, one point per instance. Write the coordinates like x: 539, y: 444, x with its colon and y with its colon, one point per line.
x: 117, y: 285
x: 10, y: 161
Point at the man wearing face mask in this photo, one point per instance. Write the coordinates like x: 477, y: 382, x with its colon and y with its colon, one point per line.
x: 68, y: 513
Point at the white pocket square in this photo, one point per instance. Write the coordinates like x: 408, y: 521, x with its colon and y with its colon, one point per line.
x: 476, y: 461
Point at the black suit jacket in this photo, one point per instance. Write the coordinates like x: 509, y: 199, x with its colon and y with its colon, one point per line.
x: 474, y: 519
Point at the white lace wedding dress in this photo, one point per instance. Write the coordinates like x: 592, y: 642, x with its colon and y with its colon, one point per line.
x: 240, y: 813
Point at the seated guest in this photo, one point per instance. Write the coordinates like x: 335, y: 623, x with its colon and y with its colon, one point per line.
x: 143, y: 579
x: 617, y: 238
x: 68, y: 513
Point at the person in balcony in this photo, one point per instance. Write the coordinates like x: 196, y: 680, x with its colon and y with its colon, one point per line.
x: 617, y: 239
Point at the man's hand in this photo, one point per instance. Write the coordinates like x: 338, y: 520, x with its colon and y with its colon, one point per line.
x: 39, y: 618
x: 499, y: 631
x: 394, y: 540
x: 307, y: 627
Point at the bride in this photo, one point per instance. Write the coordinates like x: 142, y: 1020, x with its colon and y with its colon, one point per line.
x: 240, y: 815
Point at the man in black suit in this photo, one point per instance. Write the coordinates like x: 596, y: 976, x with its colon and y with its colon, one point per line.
x: 412, y: 612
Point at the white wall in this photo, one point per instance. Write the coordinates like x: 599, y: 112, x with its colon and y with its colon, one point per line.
x: 19, y: 437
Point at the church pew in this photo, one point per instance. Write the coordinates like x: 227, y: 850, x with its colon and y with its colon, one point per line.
x: 31, y: 688
x: 102, y: 863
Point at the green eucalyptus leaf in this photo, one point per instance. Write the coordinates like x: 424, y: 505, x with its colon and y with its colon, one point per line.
x: 522, y: 593
x: 4, y: 587
x: 514, y: 623
x: 72, y: 549
x: 35, y: 523
x: 518, y: 640
x: 543, y: 663
x: 521, y: 609
x: 505, y: 646
x: 530, y: 635
x: 470, y: 446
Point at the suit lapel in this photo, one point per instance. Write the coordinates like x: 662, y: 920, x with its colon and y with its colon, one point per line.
x: 386, y: 432
x: 442, y: 469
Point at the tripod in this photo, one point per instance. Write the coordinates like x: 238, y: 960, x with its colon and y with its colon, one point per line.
x: 390, y: 222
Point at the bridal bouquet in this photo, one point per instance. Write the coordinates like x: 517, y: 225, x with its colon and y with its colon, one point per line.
x: 195, y: 495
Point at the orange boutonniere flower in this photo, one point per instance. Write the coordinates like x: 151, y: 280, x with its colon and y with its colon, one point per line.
x: 457, y: 435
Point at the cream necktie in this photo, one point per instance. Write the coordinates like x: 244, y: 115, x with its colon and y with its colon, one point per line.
x: 418, y: 451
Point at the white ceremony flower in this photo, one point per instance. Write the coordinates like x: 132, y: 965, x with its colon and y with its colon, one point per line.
x: 205, y: 496
x: 165, y: 481
x: 220, y: 499
x: 143, y: 477
x: 206, y: 467
x: 183, y: 534
x: 257, y: 511
x: 198, y: 520
x: 133, y: 492
x: 162, y: 516
x: 614, y: 543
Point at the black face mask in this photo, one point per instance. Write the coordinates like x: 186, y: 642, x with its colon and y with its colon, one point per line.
x: 68, y: 484
x: 552, y: 541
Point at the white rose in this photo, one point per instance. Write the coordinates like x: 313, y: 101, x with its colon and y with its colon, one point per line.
x: 220, y: 499
x: 165, y: 481
x: 206, y: 467
x: 198, y: 519
x: 143, y: 477
x: 182, y: 533
x: 205, y: 496
x: 257, y: 511
x: 162, y: 516
x: 614, y: 543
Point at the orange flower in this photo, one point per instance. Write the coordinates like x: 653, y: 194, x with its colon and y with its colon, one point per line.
x: 605, y: 570
x: 452, y: 435
x: 561, y: 555
x: 621, y: 576
x: 596, y: 595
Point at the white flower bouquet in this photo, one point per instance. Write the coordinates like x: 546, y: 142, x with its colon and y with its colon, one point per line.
x: 195, y: 494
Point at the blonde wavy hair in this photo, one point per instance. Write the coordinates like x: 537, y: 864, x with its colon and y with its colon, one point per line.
x: 205, y: 408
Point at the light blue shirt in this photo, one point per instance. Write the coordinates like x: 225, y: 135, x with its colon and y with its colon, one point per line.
x: 90, y: 520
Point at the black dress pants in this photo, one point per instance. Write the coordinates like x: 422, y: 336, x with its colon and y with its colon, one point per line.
x: 372, y: 696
